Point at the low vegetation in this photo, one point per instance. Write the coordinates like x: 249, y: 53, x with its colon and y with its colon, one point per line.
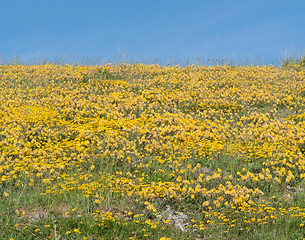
x: 151, y: 152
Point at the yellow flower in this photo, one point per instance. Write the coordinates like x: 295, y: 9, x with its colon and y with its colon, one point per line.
x: 77, y: 231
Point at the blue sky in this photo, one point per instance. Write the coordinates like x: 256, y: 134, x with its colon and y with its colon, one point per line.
x: 261, y: 31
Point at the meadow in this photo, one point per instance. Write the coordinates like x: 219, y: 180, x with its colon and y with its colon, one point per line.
x: 134, y: 151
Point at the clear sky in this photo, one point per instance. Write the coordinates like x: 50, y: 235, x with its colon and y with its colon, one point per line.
x: 256, y: 31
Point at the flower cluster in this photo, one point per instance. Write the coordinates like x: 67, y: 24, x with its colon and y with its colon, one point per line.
x: 225, y: 143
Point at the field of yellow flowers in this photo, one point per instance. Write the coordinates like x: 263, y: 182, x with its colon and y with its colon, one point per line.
x: 152, y: 152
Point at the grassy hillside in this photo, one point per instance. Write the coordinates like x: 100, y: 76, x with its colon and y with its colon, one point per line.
x: 151, y: 152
